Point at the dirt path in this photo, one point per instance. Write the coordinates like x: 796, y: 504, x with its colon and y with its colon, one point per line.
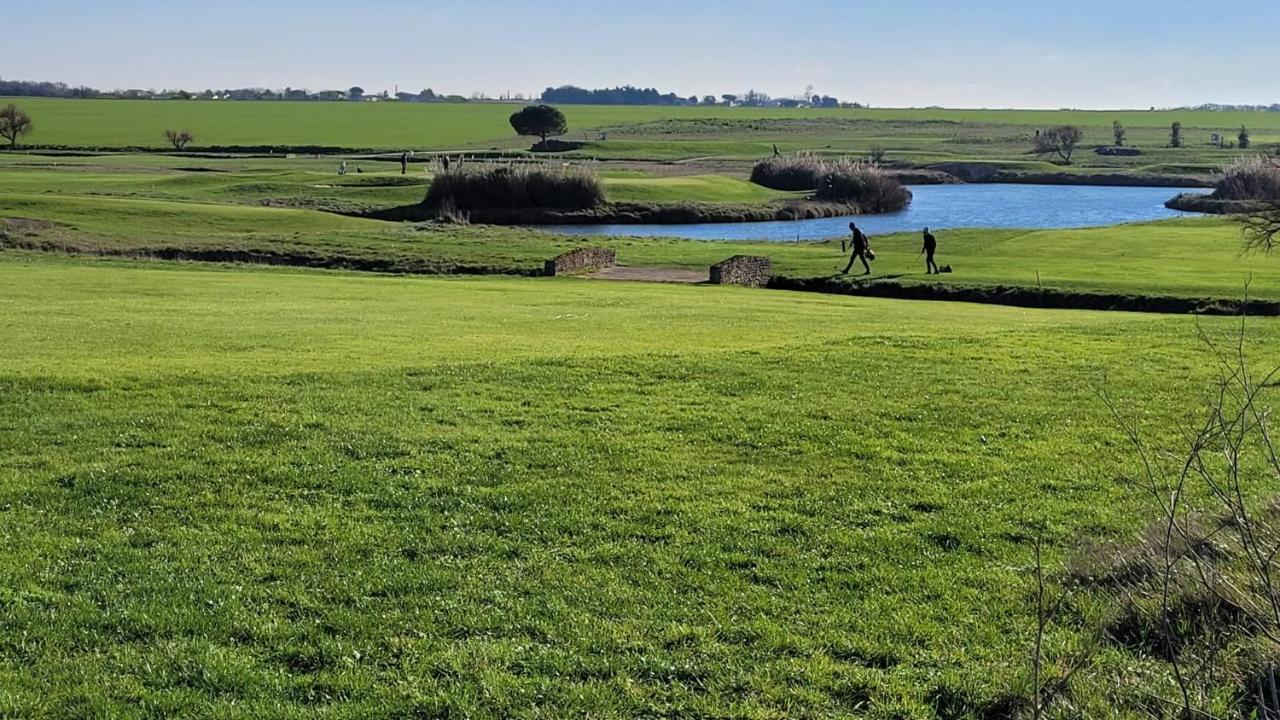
x: 651, y: 274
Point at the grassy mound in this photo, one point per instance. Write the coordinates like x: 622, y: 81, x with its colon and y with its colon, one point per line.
x: 790, y: 172
x: 839, y: 181
x: 864, y: 185
x: 1249, y: 178
x: 508, y: 187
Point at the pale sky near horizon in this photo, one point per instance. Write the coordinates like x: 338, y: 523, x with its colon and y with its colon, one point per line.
x: 983, y: 53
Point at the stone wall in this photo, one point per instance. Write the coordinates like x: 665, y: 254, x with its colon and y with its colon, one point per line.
x: 747, y: 270
x: 581, y: 260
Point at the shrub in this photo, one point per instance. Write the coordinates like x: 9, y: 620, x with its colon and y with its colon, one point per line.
x: 1249, y: 178
x: 506, y: 187
x: 839, y: 181
x: 790, y: 172
x: 864, y: 185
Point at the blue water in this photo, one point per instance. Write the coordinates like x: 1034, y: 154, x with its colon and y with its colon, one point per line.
x: 941, y: 207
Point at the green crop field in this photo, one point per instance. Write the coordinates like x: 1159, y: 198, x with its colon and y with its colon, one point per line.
x: 248, y: 493
x: 395, y: 126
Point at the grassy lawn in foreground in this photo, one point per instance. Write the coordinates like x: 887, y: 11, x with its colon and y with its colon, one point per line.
x: 273, y: 494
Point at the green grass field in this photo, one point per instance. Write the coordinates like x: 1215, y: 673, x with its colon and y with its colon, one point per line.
x: 392, y: 126
x: 245, y: 493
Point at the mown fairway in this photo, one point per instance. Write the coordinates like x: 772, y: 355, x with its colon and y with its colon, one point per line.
x: 143, y: 213
x: 275, y: 494
x: 395, y: 126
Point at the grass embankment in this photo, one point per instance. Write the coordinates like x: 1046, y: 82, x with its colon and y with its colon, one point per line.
x: 306, y: 182
x: 270, y: 494
x: 302, y: 182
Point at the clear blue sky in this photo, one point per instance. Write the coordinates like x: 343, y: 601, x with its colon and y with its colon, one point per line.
x: 960, y: 53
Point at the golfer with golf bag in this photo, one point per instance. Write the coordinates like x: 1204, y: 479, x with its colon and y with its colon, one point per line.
x: 861, y: 250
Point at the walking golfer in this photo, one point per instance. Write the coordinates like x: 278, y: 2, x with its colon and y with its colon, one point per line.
x: 861, y: 250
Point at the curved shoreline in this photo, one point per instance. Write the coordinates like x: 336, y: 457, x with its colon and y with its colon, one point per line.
x: 1209, y: 205
x: 634, y: 214
x: 984, y: 174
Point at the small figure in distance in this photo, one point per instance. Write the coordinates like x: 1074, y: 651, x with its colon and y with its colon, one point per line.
x: 404, y: 163
x: 776, y: 152
x: 930, y: 247
x: 861, y: 250
x: 444, y: 162
x: 342, y: 169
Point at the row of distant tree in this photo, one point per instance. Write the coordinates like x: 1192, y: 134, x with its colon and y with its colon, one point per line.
x: 564, y: 95
x: 1062, y: 141
x: 628, y: 95
x: 22, y: 88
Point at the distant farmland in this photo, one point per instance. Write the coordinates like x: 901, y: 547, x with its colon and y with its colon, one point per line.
x: 392, y: 126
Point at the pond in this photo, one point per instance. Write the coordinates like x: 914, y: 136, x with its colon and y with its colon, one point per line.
x: 941, y: 207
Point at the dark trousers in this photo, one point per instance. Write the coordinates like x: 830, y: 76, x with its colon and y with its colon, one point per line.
x: 931, y: 267
x: 858, y: 254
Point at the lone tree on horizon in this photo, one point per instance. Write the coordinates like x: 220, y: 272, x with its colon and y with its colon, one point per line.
x: 179, y: 140
x: 14, y: 124
x: 1244, y: 138
x: 1060, y: 141
x: 540, y: 121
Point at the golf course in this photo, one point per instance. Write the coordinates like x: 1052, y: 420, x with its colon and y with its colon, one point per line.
x: 267, y: 454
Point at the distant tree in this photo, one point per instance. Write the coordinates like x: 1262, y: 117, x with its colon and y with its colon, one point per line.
x: 14, y: 124
x: 356, y: 93
x: 1244, y: 138
x: 709, y: 100
x: 179, y: 140
x: 693, y: 99
x: 730, y: 99
x: 540, y: 121
x: 1175, y: 135
x: 876, y: 154
x: 1118, y: 132
x: 1060, y: 141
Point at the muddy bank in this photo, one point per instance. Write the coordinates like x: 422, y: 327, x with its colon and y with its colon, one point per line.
x: 981, y: 173
x: 1191, y: 202
x: 1030, y: 297
x: 633, y: 214
x: 394, y: 266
